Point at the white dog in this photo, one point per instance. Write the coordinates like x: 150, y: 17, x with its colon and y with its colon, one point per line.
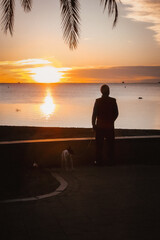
x: 66, y: 159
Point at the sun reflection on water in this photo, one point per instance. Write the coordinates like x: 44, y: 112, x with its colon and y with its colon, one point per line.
x: 48, y: 107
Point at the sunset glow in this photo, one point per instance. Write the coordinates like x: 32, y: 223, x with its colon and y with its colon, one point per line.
x: 129, y: 52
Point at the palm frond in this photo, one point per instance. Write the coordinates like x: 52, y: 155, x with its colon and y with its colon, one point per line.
x: 70, y: 21
x: 27, y: 5
x: 112, y: 8
x: 7, y: 7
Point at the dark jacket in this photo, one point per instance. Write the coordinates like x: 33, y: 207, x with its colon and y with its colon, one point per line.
x: 105, y: 112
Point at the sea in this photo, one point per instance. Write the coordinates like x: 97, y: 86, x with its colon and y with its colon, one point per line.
x: 71, y: 104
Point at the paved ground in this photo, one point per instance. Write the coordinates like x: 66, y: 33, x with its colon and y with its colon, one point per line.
x: 20, y: 183
x: 112, y: 203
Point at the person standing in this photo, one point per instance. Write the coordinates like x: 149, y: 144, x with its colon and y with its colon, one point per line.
x: 105, y: 112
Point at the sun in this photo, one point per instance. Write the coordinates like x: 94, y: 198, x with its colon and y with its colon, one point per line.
x: 47, y: 74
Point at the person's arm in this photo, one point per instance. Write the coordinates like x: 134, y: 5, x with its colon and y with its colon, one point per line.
x: 94, y: 116
x: 115, y: 111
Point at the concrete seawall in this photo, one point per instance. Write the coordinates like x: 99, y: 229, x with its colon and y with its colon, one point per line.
x: 46, y: 152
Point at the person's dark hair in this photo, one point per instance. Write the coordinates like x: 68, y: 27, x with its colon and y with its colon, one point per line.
x: 105, y: 89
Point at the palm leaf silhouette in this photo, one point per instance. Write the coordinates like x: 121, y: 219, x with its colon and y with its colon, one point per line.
x: 8, y: 15
x: 70, y: 21
x: 112, y: 8
x: 27, y: 5
x: 69, y: 12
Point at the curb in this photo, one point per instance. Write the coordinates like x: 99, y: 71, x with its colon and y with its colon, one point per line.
x: 72, y: 139
x: 60, y: 189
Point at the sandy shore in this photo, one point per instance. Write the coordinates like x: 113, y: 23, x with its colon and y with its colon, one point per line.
x: 23, y: 133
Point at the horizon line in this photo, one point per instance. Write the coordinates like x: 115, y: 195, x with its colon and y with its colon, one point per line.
x: 123, y: 82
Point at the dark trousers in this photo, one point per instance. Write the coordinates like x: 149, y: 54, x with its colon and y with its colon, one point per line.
x: 101, y: 135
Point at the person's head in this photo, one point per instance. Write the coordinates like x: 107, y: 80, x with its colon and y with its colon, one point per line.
x: 105, y: 90
x: 70, y: 150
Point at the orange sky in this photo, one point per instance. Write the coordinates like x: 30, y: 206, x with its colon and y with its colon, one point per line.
x: 130, y: 52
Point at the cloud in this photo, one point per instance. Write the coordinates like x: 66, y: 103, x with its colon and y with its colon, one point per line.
x: 24, y: 63
x: 127, y: 74
x: 21, y: 71
x: 32, y: 61
x: 145, y: 11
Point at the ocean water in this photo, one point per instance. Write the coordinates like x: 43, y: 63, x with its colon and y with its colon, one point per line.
x: 71, y: 105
